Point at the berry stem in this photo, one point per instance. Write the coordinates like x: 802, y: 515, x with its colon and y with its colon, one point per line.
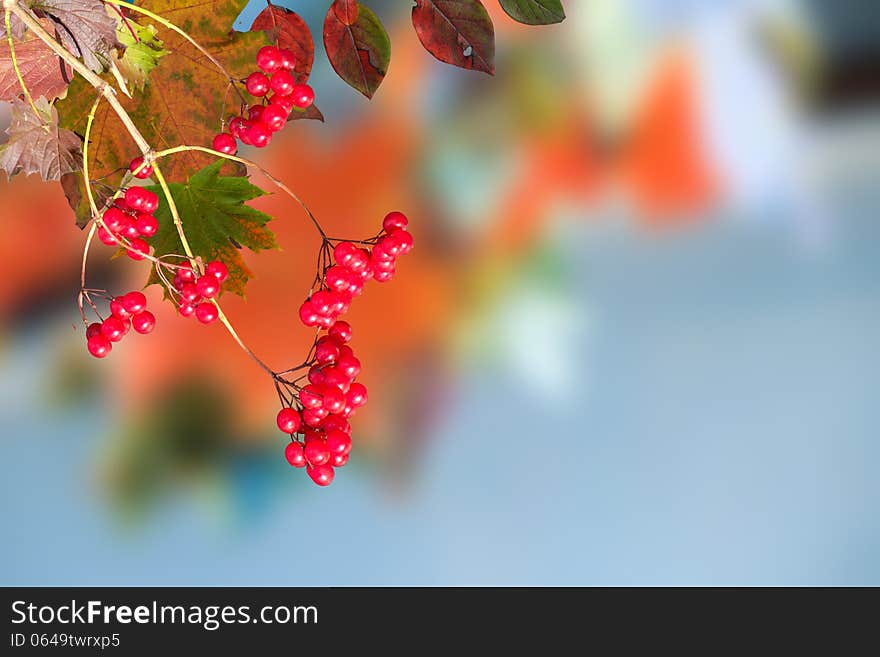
x: 27, y: 93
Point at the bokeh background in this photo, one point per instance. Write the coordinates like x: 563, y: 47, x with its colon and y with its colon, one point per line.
x: 637, y: 342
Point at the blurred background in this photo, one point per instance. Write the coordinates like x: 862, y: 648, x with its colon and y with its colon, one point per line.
x: 636, y: 343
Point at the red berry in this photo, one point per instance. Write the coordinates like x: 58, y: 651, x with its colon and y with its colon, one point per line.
x: 269, y: 59
x: 107, y: 237
x: 274, y: 117
x: 257, y: 84
x: 357, y: 395
x: 208, y: 286
x: 134, y: 302
x: 287, y: 58
x: 237, y: 125
x: 259, y: 135
x: 303, y: 96
x: 338, y: 460
x: 99, y: 346
x: 119, y: 202
x: 113, y: 329
x: 317, y: 453
x: 336, y: 378
x: 283, y: 83
x: 383, y: 276
x: 323, y: 302
x: 288, y: 420
x: 311, y: 396
x: 186, y: 309
x: 218, y: 270
x: 189, y: 293
x: 338, y: 442
x: 206, y: 313
x: 326, y: 350
x: 144, y: 322
x: 151, y: 202
x: 244, y: 132
x: 135, y: 197
x: 141, y: 172
x: 359, y: 260
x: 394, y: 221
x: 255, y: 112
x: 146, y: 225
x: 337, y: 423
x: 382, y: 265
x: 311, y: 434
x: 316, y: 375
x: 341, y: 331
x: 405, y: 239
x: 117, y: 308
x: 333, y: 400
x: 93, y: 329
x: 185, y: 273
x: 380, y: 252
x: 314, y: 416
x: 343, y: 253
x: 114, y: 219
x: 284, y: 102
x: 349, y: 365
x: 307, y: 314
x: 138, y: 249
x: 325, y: 321
x: 225, y: 143
x: 295, y: 455
x: 129, y: 229
x: 321, y: 474
x: 337, y: 278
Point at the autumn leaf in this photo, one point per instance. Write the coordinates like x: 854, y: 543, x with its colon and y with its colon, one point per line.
x: 37, y: 145
x: 287, y: 30
x: 143, y: 50
x: 84, y: 27
x: 458, y: 32
x: 357, y: 45
x: 216, y: 220
x: 40, y: 68
x: 185, y: 95
x: 534, y: 12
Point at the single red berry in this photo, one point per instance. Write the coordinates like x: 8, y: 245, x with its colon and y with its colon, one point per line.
x: 326, y: 322
x: 186, y: 309
x: 135, y: 197
x: 337, y: 278
x: 394, y: 221
x: 284, y: 102
x: 113, y: 329
x: 359, y: 261
x: 134, y: 302
x: 259, y: 135
x: 151, y: 202
x: 321, y: 474
x: 287, y: 58
x: 311, y: 396
x: 338, y: 460
x: 138, y: 249
x: 269, y: 59
x: 255, y: 112
x: 129, y: 230
x: 356, y: 286
x: 257, y: 84
x: 146, y: 225
x: 218, y: 270
x: 294, y: 454
x: 283, y: 83
x: 341, y: 331
x: 391, y: 244
x: 208, y: 286
x: 343, y: 253
x: 337, y: 423
x: 303, y: 96
x: 323, y: 302
x: 338, y: 442
x: 383, y: 276
x: 336, y: 378
x: 317, y: 453
x: 138, y: 170
x: 206, y: 313
x: 274, y: 117
x: 405, y: 239
x: 244, y: 132
x: 311, y: 434
x: 380, y: 252
x: 326, y: 350
x: 93, y: 329
x: 190, y: 293
x: 107, y: 237
x: 114, y: 219
x: 99, y: 346
x: 288, y: 420
x: 349, y: 365
x: 185, y: 273
x: 316, y: 375
x: 333, y: 400
x: 119, y: 202
x: 382, y: 265
x: 225, y: 143
x: 357, y: 395
x: 307, y: 314
x: 314, y: 416
x: 117, y: 308
x: 144, y: 322
x: 236, y: 125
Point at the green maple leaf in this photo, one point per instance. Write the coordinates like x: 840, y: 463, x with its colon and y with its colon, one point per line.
x: 216, y: 221
x: 143, y: 50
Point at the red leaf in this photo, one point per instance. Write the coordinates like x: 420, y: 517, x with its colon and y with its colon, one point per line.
x: 458, y: 32
x: 357, y: 45
x: 290, y: 31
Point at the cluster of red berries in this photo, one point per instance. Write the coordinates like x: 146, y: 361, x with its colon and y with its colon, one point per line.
x: 270, y: 115
x: 196, y: 292
x: 330, y: 398
x: 126, y: 312
x: 353, y: 267
x: 131, y: 219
